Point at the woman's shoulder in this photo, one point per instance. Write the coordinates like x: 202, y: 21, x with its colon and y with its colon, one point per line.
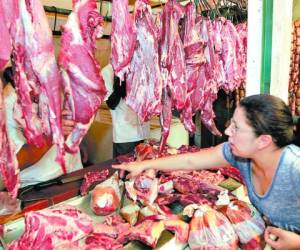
x: 291, y: 160
x: 293, y: 151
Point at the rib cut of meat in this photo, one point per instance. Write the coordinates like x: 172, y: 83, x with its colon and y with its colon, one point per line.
x: 123, y: 37
x: 50, y: 228
x: 143, y: 81
x: 83, y: 84
x: 8, y: 161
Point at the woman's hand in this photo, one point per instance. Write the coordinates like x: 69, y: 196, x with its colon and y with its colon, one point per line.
x: 67, y: 123
x: 280, y: 239
x: 135, y: 168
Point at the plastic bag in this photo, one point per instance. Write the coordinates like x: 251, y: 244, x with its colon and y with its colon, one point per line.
x: 247, y: 223
x: 210, y: 229
x: 106, y: 196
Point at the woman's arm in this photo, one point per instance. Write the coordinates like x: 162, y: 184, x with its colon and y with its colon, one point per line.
x: 205, y: 158
x: 280, y: 239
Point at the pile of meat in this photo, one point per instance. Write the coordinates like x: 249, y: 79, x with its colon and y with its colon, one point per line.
x: 176, y: 60
x: 40, y: 78
x: 191, y: 204
x: 203, y: 220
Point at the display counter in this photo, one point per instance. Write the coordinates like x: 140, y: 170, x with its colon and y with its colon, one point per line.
x: 33, y: 198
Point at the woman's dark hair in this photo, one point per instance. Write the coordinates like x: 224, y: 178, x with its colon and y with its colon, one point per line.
x: 269, y: 115
x: 8, y: 76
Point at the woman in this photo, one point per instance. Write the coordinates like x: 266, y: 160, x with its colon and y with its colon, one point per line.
x: 259, y: 145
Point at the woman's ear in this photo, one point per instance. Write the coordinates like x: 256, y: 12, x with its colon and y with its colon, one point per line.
x: 264, y: 141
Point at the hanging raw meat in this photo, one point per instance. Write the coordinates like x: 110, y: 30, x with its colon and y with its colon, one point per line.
x: 172, y: 65
x: 194, y: 58
x: 83, y: 84
x: 172, y: 54
x: 232, y: 48
x: 123, y: 37
x: 143, y: 82
x: 207, y: 87
x: 36, y: 73
x: 8, y: 163
x: 5, y: 49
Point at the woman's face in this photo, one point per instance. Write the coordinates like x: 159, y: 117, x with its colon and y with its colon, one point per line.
x: 242, y: 139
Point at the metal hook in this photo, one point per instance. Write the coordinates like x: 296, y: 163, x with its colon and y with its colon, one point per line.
x: 55, y: 17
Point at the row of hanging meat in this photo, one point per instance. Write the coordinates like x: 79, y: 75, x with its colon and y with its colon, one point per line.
x: 27, y: 39
x: 176, y: 59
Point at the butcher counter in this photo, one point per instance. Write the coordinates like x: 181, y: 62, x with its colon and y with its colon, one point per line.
x: 38, y: 198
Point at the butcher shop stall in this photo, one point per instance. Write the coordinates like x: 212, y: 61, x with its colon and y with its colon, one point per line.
x: 187, y: 64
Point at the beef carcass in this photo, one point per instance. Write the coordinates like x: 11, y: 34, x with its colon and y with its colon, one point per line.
x: 232, y: 49
x: 172, y: 57
x: 83, y: 84
x: 36, y: 74
x: 172, y: 65
x: 52, y: 227
x: 8, y: 160
x: 90, y: 178
x: 194, y: 58
x: 207, y: 86
x: 123, y: 38
x: 143, y: 81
